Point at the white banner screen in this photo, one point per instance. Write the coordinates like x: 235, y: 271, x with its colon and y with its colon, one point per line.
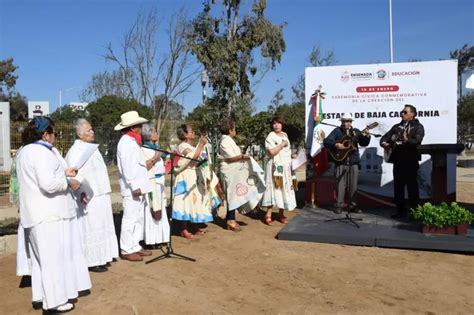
x: 377, y: 93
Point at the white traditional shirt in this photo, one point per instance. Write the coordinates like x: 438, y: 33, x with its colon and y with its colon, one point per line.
x: 43, y: 187
x: 132, y: 167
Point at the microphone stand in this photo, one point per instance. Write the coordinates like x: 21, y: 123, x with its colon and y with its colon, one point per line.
x: 348, y: 217
x: 169, y: 248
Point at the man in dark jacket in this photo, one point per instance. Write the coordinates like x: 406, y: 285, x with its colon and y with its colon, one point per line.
x: 347, y: 168
x: 403, y: 139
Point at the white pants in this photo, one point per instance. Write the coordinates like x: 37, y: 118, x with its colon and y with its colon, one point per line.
x: 58, y: 267
x: 132, y: 230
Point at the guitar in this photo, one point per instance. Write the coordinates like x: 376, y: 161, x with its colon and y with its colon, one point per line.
x: 349, y: 143
x: 392, y: 143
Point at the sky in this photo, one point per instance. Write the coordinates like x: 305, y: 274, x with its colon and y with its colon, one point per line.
x: 58, y: 44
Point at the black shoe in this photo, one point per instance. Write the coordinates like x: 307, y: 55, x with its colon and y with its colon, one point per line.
x: 337, y: 211
x: 37, y: 305
x: 98, y: 269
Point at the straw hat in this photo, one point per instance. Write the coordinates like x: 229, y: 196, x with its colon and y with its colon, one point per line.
x: 346, y: 116
x: 130, y: 119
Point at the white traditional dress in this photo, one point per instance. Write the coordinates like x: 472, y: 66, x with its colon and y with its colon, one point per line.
x: 156, y: 231
x: 96, y: 218
x: 243, y: 179
x: 47, y: 214
x: 279, y: 192
x: 194, y: 194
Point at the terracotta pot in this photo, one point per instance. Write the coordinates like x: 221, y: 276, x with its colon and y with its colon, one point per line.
x: 427, y: 229
x: 459, y: 230
x: 462, y: 229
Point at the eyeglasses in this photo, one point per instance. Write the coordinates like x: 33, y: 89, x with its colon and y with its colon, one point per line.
x: 404, y: 112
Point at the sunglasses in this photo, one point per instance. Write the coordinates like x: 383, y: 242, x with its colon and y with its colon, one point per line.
x: 405, y: 112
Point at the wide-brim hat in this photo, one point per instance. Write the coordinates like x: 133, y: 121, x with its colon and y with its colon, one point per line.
x: 346, y: 116
x: 130, y: 119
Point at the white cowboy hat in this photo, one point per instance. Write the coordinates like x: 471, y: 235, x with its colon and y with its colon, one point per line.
x: 346, y: 116
x: 130, y: 119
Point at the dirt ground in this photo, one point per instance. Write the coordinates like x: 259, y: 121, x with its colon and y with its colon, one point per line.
x: 251, y: 272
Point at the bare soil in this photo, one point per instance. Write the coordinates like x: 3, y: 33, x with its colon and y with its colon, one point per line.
x: 252, y: 272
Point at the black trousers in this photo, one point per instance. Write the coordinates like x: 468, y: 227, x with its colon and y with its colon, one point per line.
x: 405, y: 174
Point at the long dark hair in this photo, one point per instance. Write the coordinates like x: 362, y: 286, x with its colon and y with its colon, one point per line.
x: 32, y: 134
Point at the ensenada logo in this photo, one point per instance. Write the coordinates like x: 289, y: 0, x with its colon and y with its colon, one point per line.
x: 361, y: 76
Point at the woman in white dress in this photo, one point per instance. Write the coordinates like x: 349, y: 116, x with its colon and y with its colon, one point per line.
x: 279, y: 191
x: 242, y: 185
x: 48, y: 216
x: 194, y: 194
x: 157, y: 228
x: 94, y: 212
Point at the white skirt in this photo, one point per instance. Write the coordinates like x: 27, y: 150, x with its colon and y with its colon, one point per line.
x: 58, y: 267
x: 23, y: 258
x: 99, y: 240
x: 157, y: 232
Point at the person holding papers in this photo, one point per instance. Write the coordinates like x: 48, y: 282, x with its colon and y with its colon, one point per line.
x: 94, y: 210
x: 48, y: 216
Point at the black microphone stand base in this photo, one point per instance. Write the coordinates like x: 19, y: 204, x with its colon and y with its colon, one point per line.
x: 170, y: 254
x: 348, y: 219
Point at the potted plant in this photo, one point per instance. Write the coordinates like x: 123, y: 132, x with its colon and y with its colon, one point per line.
x: 443, y: 218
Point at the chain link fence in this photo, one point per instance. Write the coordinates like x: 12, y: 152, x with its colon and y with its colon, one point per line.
x: 107, y: 138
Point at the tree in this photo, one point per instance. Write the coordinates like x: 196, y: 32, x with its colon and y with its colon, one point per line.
x: 140, y: 70
x: 18, y: 106
x: 106, y: 83
x: 294, y: 117
x: 276, y: 101
x: 316, y: 58
x: 104, y: 115
x: 253, y: 129
x: 18, y: 103
x: 67, y: 114
x: 7, y: 76
x: 465, y: 57
x: 225, y: 46
x: 466, y: 117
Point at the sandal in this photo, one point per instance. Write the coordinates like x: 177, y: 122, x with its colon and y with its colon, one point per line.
x: 283, y: 219
x: 186, y: 234
x: 268, y: 220
x: 199, y: 232
x: 233, y: 227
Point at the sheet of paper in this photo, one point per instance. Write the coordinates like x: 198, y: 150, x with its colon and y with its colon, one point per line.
x: 299, y: 160
x: 82, y: 154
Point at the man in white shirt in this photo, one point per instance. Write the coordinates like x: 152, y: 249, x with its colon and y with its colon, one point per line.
x: 94, y: 206
x: 134, y: 185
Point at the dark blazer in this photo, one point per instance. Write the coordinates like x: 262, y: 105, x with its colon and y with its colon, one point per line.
x: 406, y: 151
x: 337, y: 134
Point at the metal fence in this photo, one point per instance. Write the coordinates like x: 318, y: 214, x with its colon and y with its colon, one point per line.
x: 106, y: 137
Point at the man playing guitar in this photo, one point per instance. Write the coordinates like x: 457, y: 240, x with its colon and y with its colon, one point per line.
x: 402, y: 140
x: 347, y: 168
